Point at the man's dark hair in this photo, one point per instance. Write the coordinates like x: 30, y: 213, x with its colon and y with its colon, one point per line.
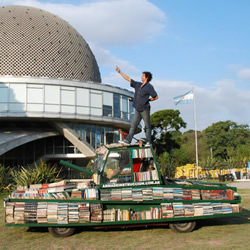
x: 148, y: 75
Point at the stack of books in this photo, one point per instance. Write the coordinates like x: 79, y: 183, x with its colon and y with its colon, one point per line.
x: 9, y: 212
x: 178, y: 194
x: 137, y: 194
x: 227, y: 208
x: 167, y: 210
x: 230, y: 194
x: 198, y: 209
x: 96, y: 213
x: 30, y: 210
x: 91, y: 194
x: 57, y: 190
x: 147, y: 194
x: 214, y: 194
x: 207, y: 209
x: 235, y: 208
x: 73, y: 213
x: 217, y: 208
x: 52, y: 212
x: 105, y: 195
x: 84, y: 213
x: 19, y: 212
x: 127, y: 194
x: 196, y: 194
x: 42, y: 212
x: 178, y: 209
x: 168, y: 193
x: 62, y: 213
x: 158, y: 193
x: 109, y: 215
x: 77, y: 194
x: 116, y: 194
x: 188, y: 210
x: 187, y: 194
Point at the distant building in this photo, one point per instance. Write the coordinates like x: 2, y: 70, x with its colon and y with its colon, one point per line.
x: 52, y: 102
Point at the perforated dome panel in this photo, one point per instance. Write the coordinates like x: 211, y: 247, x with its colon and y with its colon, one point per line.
x: 36, y: 43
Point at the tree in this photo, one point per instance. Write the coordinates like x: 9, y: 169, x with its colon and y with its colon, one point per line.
x: 167, y: 165
x: 165, y: 126
x: 223, y: 135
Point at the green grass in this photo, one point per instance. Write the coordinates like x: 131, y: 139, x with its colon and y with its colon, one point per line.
x: 222, y: 233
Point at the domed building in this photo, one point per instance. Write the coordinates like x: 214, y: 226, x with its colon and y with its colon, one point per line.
x: 52, y: 102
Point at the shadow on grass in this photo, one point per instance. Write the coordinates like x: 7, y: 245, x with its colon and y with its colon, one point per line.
x: 234, y: 220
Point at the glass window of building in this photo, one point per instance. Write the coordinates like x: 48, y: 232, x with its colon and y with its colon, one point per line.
x: 98, y: 136
x: 107, y: 104
x: 88, y: 133
x: 131, y: 110
x: 124, y: 107
x: 93, y: 136
x: 96, y: 102
x: 117, y: 105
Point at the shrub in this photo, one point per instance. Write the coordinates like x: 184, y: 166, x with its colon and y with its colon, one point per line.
x: 4, y: 177
x: 39, y: 174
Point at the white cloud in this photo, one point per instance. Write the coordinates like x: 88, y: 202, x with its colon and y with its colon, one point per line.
x: 244, y: 73
x: 108, y: 22
x: 222, y: 102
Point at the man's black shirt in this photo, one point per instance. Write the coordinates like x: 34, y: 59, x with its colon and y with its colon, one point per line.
x: 141, y: 97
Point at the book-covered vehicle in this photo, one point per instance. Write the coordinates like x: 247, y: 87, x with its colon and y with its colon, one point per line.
x: 125, y: 189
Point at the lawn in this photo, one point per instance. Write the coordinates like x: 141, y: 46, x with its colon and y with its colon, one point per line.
x: 222, y: 233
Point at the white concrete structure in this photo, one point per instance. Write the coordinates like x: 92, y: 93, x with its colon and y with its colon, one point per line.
x: 52, y: 101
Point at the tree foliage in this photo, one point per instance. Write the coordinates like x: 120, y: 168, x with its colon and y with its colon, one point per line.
x: 224, y: 144
x: 166, y: 125
x: 224, y: 136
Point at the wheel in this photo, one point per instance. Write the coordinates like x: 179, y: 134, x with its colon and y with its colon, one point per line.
x: 182, y: 227
x: 61, y: 231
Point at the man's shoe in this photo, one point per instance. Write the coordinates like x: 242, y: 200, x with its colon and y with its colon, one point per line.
x: 124, y: 143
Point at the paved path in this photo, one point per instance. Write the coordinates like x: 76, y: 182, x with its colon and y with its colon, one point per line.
x: 240, y: 184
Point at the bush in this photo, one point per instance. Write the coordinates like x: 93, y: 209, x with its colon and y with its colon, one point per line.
x: 39, y: 174
x: 4, y: 177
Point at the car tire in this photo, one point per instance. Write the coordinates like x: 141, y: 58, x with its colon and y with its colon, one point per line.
x: 61, y: 231
x: 182, y: 227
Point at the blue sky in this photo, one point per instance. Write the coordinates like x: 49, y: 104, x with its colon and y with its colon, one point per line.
x: 185, y: 44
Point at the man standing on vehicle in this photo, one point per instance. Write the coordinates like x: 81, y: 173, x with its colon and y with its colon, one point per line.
x: 143, y: 90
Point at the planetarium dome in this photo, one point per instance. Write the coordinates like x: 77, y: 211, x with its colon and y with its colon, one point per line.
x: 37, y: 43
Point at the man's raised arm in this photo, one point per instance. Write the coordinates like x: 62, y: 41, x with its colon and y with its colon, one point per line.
x: 123, y: 75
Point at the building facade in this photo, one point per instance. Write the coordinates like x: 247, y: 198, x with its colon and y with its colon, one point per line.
x: 52, y: 102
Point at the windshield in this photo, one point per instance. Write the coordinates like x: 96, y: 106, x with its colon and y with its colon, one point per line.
x: 118, y: 169
x: 98, y: 164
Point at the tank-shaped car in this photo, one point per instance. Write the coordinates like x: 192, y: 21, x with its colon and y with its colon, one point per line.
x: 125, y: 188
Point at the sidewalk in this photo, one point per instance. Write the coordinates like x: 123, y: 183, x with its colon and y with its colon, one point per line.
x: 240, y: 184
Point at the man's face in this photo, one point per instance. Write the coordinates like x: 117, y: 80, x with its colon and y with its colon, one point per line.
x: 144, y: 78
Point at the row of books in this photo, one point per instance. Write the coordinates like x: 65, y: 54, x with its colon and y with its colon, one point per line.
x: 65, y: 213
x: 52, y: 212
x: 85, y: 194
x: 66, y: 189
x: 164, y: 193
x: 146, y: 176
x: 217, y: 194
x: 142, y: 153
x: 170, y: 210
